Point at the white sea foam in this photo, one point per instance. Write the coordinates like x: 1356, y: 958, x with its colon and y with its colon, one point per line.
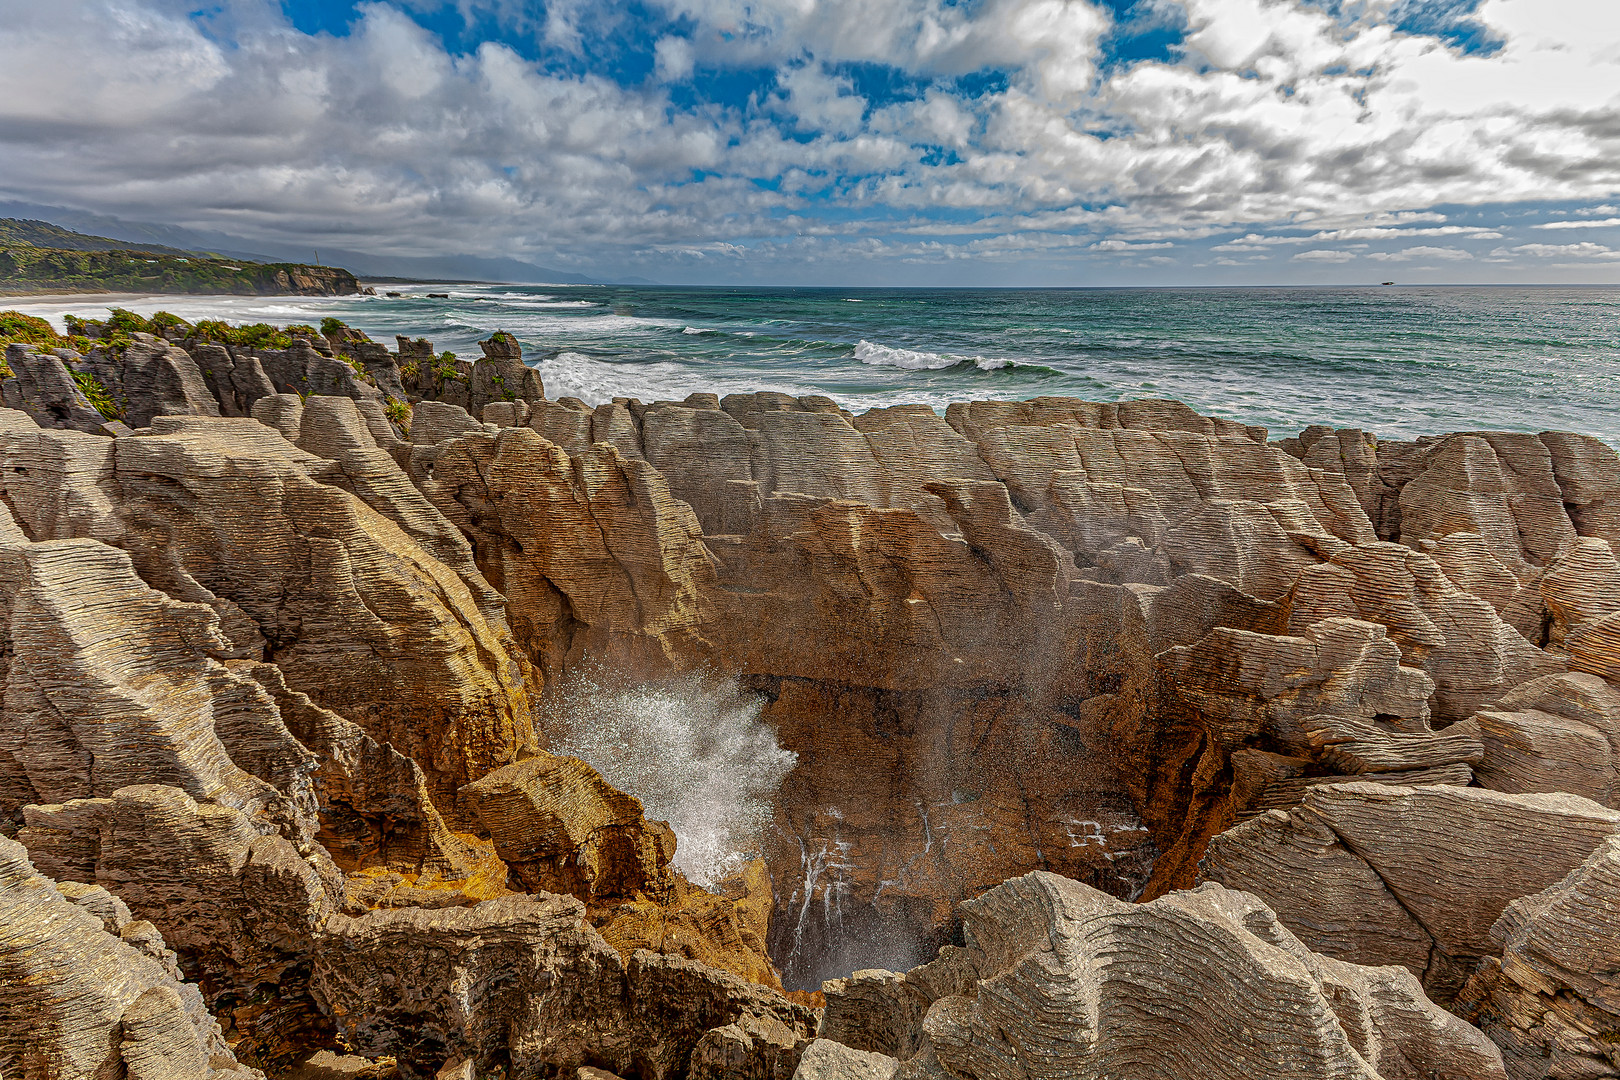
x: 573, y: 374
x: 696, y: 330
x: 876, y: 355
x: 541, y: 304
x: 692, y: 749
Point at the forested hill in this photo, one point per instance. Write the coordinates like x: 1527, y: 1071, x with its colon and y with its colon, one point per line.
x: 37, y: 257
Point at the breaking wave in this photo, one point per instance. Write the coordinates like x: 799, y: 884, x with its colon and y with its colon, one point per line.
x: 693, y: 750
x: 916, y: 360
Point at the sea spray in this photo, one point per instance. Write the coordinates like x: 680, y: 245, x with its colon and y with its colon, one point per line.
x: 693, y: 750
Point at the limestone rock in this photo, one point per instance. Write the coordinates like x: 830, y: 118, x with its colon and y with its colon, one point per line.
x: 502, y: 375
x: 373, y: 802
x: 301, y: 369
x: 1502, y: 487
x: 1556, y: 733
x: 628, y: 581
x: 562, y: 828
x: 1072, y: 982
x: 355, y: 613
x: 546, y: 995
x: 42, y: 387
x: 1365, y: 872
x: 110, y: 684
x: 881, y: 1012
x: 76, y: 1002
x: 1341, y: 684
x: 1459, y: 640
x: 333, y: 428
x: 1552, y: 1002
x: 1582, y: 591
x: 240, y: 903
x: 825, y: 1059
x: 151, y: 377
x: 1588, y: 474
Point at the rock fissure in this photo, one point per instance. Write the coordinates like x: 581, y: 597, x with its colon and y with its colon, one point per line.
x: 1105, y: 643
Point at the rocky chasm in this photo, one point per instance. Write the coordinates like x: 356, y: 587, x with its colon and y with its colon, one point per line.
x: 368, y: 701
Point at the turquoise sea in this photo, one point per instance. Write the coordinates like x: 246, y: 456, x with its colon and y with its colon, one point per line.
x: 1398, y: 361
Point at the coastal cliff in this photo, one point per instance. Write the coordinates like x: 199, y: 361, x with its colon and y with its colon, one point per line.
x: 37, y: 257
x: 1136, y: 738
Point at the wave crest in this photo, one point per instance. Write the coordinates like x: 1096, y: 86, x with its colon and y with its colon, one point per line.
x: 875, y: 355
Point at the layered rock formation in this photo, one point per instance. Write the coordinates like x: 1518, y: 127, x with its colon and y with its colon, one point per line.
x: 280, y: 671
x: 1058, y: 979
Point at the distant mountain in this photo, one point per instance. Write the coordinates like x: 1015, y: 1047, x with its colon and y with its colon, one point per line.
x: 365, y: 264
x: 45, y: 235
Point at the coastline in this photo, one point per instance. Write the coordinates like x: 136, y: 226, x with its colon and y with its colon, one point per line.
x: 389, y: 618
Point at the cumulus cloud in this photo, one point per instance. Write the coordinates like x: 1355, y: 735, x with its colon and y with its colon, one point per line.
x: 1125, y: 245
x: 1015, y: 134
x: 1424, y: 253
x: 1585, y: 250
x: 1590, y: 224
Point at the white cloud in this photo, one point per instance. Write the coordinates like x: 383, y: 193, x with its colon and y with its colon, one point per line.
x: 1585, y: 250
x: 673, y: 59
x: 1125, y: 245
x: 1604, y: 224
x: 1422, y: 253
x: 1281, y: 127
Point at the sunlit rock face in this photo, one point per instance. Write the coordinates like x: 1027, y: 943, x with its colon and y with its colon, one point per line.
x: 1053, y: 634
x: 598, y: 727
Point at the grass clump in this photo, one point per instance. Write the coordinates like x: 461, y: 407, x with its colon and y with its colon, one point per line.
x: 398, y: 412
x: 251, y: 336
x: 97, y: 394
x: 445, y: 369
x: 331, y: 327
x: 17, y: 328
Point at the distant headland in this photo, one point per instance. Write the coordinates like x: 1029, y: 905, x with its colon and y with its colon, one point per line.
x: 37, y: 257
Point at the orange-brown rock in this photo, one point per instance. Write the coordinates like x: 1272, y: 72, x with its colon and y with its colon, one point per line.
x: 563, y: 829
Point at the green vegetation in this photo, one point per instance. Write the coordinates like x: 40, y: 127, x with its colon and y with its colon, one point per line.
x: 25, y: 268
x: 399, y: 412
x: 45, y: 235
x: 445, y: 369
x: 331, y: 327
x: 97, y: 394
x: 251, y: 336
x: 39, y: 257
x: 17, y: 327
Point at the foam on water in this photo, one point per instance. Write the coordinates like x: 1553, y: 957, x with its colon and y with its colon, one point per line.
x: 693, y: 750
x: 1396, y: 362
x: 917, y: 360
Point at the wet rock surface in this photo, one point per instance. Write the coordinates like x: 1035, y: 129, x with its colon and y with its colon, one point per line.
x: 281, y: 673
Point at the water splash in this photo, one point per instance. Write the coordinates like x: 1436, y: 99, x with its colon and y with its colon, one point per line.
x: 693, y: 750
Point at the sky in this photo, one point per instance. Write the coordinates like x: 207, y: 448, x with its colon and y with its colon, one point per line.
x: 851, y: 142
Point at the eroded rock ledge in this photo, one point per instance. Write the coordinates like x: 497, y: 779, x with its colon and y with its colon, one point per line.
x: 281, y: 670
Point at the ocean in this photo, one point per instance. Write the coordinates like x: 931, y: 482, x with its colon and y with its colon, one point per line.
x: 1397, y: 361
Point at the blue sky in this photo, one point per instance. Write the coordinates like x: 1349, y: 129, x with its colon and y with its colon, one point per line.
x: 983, y: 142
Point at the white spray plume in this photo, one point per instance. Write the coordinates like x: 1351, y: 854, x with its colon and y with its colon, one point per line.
x: 693, y: 750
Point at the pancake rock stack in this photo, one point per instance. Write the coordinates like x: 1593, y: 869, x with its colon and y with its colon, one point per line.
x: 1143, y: 743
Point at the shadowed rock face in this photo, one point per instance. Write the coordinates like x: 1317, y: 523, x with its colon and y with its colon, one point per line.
x: 88, y: 991
x: 1552, y: 1001
x: 1048, y: 634
x: 278, y: 681
x: 1058, y: 979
